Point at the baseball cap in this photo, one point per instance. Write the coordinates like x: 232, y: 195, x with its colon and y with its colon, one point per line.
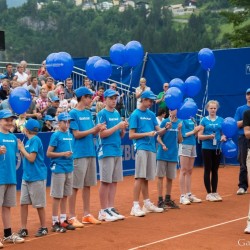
x: 64, y: 116
x: 60, y: 83
x: 48, y: 118
x: 55, y: 99
x: 148, y: 94
x: 32, y: 125
x: 109, y: 93
x: 2, y: 76
x: 6, y: 113
x: 248, y: 90
x: 82, y: 91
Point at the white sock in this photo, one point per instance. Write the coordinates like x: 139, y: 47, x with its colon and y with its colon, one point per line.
x: 63, y: 217
x: 55, y: 219
x: 136, y: 203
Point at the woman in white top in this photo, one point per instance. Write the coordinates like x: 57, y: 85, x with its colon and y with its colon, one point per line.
x: 140, y: 89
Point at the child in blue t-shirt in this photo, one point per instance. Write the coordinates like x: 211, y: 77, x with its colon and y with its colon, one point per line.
x: 60, y: 151
x: 8, y: 150
x: 33, y: 189
x: 167, y: 159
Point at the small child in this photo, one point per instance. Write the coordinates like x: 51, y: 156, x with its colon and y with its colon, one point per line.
x: 60, y: 150
x: 8, y: 149
x: 33, y: 189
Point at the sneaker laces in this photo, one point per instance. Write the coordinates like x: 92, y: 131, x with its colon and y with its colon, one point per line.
x: 108, y: 212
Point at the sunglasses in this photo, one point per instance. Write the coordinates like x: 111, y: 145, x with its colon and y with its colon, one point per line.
x: 62, y: 93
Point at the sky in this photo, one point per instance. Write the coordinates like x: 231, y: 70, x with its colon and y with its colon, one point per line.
x: 15, y: 3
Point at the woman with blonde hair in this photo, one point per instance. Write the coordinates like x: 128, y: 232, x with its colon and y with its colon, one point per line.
x: 210, y: 134
x: 139, y: 90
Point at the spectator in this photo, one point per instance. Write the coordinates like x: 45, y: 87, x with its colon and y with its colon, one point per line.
x: 9, y: 72
x: 49, y: 84
x: 54, y: 106
x: 69, y: 92
x: 13, y: 84
x: 160, y: 115
x: 34, y: 85
x: 42, y: 69
x: 55, y: 92
x: 97, y: 97
x: 42, y: 103
x: 4, y: 89
x: 161, y: 98
x: 63, y: 102
x: 25, y: 69
x: 22, y: 77
x: 47, y: 126
x: 20, y: 123
x: 32, y: 110
x: 139, y: 90
x: 88, y: 85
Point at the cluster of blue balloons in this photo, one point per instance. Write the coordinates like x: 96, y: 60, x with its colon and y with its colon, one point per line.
x: 20, y: 100
x: 98, y: 69
x: 131, y: 54
x: 59, y: 65
x: 206, y: 58
x: 229, y: 129
x: 177, y: 90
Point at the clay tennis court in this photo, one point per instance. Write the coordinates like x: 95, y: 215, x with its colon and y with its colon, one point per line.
x: 209, y: 225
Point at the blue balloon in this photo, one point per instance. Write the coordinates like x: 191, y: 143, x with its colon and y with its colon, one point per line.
x: 20, y: 100
x: 102, y: 70
x: 117, y: 54
x: 178, y: 83
x: 229, y: 149
x: 59, y: 65
x: 229, y: 127
x: 188, y: 109
x: 192, y: 86
x: 173, y: 98
x: 89, y: 67
x: 133, y: 53
x: 206, y: 58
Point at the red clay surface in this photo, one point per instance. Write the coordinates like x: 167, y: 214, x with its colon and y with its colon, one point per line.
x: 208, y: 225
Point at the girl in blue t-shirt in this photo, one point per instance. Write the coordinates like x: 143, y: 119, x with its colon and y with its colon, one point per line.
x: 211, y: 134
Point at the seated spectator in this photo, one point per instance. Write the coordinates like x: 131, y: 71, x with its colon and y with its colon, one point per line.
x: 22, y: 77
x: 32, y: 110
x: 47, y: 125
x: 49, y: 84
x: 63, y: 102
x: 52, y: 110
x: 34, y: 85
x: 13, y: 84
x: 8, y: 74
x: 69, y: 92
x: 4, y: 89
x: 42, y: 69
x: 87, y: 83
x: 56, y: 91
x: 42, y: 78
x: 20, y: 123
x: 42, y: 103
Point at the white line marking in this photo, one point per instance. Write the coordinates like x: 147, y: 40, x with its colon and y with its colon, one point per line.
x: 191, y: 232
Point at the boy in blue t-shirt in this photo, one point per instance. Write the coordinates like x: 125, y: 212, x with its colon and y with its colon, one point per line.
x: 60, y: 150
x: 110, y: 156
x: 84, y: 155
x: 142, y: 130
x: 167, y: 158
x: 33, y: 189
x: 8, y: 150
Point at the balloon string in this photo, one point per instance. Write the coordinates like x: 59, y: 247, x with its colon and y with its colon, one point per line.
x: 205, y: 95
x: 127, y: 96
x: 67, y: 127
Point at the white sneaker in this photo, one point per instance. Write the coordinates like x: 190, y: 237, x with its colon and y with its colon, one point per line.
x: 1, y: 244
x: 136, y: 211
x: 211, y: 197
x: 193, y: 199
x: 106, y: 216
x: 247, y: 229
x: 184, y: 200
x: 151, y: 208
x: 217, y: 196
x: 115, y: 213
x: 241, y: 191
x: 14, y: 238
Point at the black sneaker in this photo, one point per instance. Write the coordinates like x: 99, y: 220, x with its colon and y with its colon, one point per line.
x: 23, y: 233
x: 67, y: 226
x: 57, y: 228
x: 161, y: 204
x: 171, y: 204
x: 42, y: 231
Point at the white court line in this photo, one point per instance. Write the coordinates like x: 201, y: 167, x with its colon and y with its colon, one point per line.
x: 190, y: 232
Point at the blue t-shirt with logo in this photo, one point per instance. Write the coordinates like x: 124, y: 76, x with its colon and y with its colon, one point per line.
x: 143, y: 121
x: 8, y: 160
x: 187, y: 126
x: 211, y: 127
x: 239, y: 116
x: 62, y: 142
x: 83, y: 147
x: 111, y: 145
x: 170, y: 139
x: 36, y: 171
